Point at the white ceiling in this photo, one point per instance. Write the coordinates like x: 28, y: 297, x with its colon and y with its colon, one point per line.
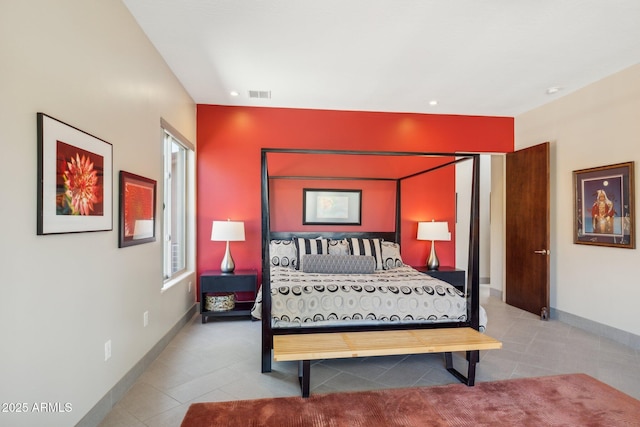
x: 476, y: 57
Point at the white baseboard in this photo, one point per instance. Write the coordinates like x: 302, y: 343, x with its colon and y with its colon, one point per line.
x: 615, y: 334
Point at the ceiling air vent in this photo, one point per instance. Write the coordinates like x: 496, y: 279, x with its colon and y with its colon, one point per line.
x: 260, y: 94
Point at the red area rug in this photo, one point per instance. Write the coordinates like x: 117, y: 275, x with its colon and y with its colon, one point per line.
x: 564, y: 400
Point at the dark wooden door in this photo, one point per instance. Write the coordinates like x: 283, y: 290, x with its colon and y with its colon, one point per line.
x: 527, y: 229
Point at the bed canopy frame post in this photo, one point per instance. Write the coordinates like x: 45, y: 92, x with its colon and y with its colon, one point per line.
x: 473, y: 309
x: 267, y: 335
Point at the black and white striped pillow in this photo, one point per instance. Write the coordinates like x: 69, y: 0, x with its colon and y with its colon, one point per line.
x: 369, y: 247
x: 309, y: 246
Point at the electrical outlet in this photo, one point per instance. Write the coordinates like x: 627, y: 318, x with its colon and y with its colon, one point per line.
x: 107, y: 350
x: 145, y: 318
x: 189, y: 289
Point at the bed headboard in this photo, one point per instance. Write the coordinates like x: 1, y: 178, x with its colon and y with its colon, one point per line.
x: 389, y: 236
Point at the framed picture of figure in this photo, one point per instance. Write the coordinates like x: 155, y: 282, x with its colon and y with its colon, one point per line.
x: 604, y: 203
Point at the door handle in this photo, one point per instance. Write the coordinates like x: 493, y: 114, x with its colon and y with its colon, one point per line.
x: 542, y: 252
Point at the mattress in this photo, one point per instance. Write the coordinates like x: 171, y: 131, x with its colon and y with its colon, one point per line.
x: 399, y: 295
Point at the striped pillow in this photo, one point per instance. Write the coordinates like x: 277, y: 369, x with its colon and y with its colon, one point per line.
x: 309, y: 246
x: 369, y: 247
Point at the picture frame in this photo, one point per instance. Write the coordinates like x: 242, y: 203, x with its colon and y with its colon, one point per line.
x: 75, y: 179
x: 604, y: 206
x: 137, y: 215
x: 331, y: 206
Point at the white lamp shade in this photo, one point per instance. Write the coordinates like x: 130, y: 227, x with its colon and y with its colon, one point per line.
x: 227, y: 231
x: 433, y: 231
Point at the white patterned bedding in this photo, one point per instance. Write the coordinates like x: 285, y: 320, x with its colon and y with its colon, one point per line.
x: 399, y: 295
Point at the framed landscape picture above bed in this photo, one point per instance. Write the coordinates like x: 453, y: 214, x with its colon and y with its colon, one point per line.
x: 331, y: 207
x: 604, y: 203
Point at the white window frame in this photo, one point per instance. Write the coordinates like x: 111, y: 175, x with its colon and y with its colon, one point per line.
x: 169, y: 135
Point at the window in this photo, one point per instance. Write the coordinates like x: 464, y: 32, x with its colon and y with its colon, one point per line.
x: 176, y: 224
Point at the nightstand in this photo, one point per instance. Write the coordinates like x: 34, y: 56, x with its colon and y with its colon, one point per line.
x: 240, y: 281
x: 450, y: 275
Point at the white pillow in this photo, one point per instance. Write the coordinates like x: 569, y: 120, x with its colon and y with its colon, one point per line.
x: 339, y: 247
x: 391, y: 255
x: 282, y: 253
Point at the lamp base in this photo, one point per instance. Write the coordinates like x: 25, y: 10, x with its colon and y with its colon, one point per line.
x: 433, y: 263
x: 227, y: 265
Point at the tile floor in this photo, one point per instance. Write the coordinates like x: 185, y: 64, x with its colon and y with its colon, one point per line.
x: 220, y: 361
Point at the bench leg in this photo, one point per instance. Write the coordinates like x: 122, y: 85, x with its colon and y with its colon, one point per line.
x: 304, y: 376
x: 472, y: 357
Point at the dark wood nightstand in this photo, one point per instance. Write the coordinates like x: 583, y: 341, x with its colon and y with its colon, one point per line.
x: 240, y: 281
x: 450, y: 275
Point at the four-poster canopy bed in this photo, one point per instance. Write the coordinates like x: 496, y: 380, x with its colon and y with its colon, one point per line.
x: 302, y: 272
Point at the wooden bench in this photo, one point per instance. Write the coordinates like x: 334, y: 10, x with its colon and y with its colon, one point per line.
x: 306, y: 347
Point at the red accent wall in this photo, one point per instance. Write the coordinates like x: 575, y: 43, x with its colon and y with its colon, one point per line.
x: 228, y: 170
x: 424, y: 198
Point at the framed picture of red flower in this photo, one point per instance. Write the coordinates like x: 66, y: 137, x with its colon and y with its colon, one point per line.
x: 75, y: 176
x: 137, y: 210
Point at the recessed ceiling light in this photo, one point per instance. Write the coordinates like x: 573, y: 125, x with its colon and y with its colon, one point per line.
x: 234, y: 93
x: 553, y: 89
x: 433, y: 102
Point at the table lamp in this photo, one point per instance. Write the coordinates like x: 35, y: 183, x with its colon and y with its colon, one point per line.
x: 227, y: 231
x: 433, y: 231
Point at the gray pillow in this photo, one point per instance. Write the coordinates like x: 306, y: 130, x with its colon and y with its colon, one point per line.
x: 339, y: 264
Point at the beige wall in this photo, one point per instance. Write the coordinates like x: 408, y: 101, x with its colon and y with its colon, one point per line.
x: 497, y: 226
x: 86, y: 63
x: 595, y: 126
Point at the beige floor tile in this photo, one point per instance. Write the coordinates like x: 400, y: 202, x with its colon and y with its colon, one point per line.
x: 220, y: 361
